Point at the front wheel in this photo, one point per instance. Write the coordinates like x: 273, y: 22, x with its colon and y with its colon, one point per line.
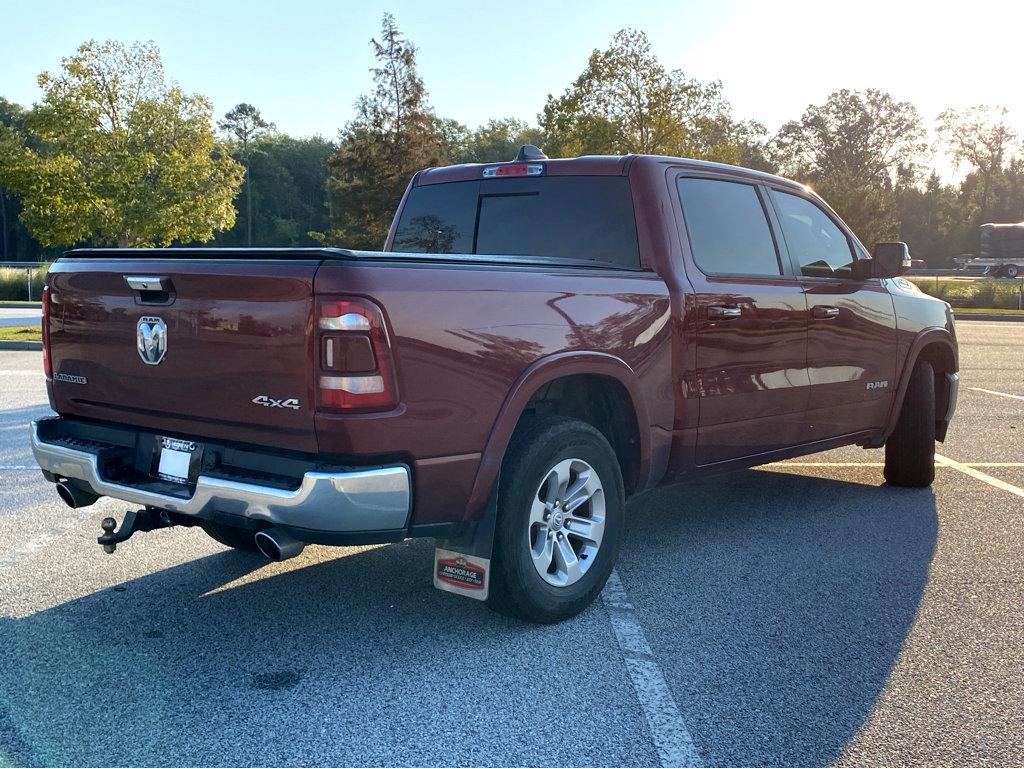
x: 561, y: 507
x: 1011, y: 271
x: 910, y: 450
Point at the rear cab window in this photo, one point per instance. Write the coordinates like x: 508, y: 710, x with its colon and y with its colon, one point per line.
x: 587, y: 218
x: 728, y: 228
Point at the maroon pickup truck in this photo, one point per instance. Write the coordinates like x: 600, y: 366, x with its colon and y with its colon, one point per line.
x: 539, y: 340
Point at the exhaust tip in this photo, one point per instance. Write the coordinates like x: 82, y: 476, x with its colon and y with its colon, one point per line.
x: 276, y: 545
x: 74, y: 497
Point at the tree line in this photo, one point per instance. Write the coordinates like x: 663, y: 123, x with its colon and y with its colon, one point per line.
x: 113, y: 155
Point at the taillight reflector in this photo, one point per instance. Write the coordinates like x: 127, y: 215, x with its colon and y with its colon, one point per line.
x: 47, y: 362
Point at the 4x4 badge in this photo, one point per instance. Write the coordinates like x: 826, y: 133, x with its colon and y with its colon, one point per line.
x: 151, y: 339
x: 276, y: 403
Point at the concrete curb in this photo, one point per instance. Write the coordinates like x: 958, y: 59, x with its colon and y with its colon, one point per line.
x: 21, y: 345
x: 21, y: 305
x: 987, y: 316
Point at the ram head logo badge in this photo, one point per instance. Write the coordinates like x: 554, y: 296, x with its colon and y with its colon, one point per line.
x: 151, y: 339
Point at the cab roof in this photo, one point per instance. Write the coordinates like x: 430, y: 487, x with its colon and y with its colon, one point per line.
x: 599, y: 165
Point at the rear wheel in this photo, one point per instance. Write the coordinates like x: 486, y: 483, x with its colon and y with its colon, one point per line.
x: 560, y: 516
x: 1011, y: 271
x: 232, y: 536
x: 910, y: 450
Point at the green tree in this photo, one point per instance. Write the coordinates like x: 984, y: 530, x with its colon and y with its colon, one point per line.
x: 868, y: 134
x: 627, y: 101
x: 394, y: 134
x: 114, y: 155
x: 15, y: 241
x: 497, y: 141
x: 981, y: 137
x: 857, y: 149
x: 932, y: 221
x: 245, y: 125
x: 289, y: 198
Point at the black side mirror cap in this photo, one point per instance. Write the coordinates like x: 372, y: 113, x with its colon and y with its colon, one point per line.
x: 891, y: 259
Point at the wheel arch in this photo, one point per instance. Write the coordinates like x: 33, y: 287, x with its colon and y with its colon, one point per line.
x: 938, y: 347
x: 578, y: 371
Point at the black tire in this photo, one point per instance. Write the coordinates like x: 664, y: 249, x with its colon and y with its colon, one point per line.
x: 910, y: 450
x: 517, y: 588
x: 232, y: 536
x: 1011, y: 271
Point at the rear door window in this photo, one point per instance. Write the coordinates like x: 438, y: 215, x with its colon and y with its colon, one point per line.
x: 820, y: 248
x: 728, y: 228
x: 564, y: 217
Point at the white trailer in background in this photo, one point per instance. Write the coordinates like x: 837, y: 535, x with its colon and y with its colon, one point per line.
x: 1001, y: 253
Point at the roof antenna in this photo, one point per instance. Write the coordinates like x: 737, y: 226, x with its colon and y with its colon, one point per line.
x: 529, y: 152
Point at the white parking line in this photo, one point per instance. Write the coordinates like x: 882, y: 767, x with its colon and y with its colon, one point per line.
x: 668, y: 730
x: 882, y: 464
x: 968, y: 470
x: 996, y: 392
x: 828, y: 464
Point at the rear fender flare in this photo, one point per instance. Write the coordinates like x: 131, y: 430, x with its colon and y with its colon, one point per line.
x: 539, y: 373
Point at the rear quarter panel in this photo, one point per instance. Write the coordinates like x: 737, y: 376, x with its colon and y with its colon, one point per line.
x: 464, y: 335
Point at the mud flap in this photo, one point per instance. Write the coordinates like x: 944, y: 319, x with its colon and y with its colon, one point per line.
x: 463, y: 565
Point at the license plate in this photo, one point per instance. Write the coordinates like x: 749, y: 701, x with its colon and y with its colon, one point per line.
x: 177, y: 460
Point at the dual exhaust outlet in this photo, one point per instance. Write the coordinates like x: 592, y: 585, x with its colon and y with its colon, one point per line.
x: 274, y: 543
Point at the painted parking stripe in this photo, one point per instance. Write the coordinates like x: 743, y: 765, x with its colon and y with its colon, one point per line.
x: 968, y: 470
x: 828, y: 464
x: 996, y: 392
x: 668, y: 730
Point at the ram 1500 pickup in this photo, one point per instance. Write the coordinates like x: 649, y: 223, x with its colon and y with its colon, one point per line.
x: 539, y: 340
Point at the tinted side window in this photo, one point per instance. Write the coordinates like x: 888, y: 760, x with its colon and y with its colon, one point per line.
x: 438, y: 219
x: 821, y: 249
x: 728, y: 228
x: 572, y: 217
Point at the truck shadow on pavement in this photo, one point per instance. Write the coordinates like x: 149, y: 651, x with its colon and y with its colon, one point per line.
x: 776, y: 605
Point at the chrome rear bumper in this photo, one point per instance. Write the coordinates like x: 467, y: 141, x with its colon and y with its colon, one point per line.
x: 373, y: 499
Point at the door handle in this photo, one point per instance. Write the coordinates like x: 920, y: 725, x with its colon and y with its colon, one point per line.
x: 824, y: 312
x: 718, y: 312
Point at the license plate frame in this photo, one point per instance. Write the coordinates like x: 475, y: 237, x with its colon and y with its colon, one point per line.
x: 176, y: 460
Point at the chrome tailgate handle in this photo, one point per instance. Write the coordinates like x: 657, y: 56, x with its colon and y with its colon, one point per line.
x: 147, y: 282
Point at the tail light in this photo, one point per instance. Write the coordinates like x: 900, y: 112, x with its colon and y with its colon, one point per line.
x: 355, y: 366
x: 47, y: 364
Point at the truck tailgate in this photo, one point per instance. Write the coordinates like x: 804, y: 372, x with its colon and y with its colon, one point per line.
x: 235, y: 362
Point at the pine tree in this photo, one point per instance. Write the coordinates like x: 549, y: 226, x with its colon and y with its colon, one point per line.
x: 394, y: 134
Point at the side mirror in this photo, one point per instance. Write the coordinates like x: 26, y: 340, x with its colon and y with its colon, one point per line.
x: 890, y: 260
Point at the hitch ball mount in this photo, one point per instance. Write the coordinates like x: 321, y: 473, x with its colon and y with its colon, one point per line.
x: 147, y: 519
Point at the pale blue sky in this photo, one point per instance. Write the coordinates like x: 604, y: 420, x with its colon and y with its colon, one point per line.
x: 304, y: 62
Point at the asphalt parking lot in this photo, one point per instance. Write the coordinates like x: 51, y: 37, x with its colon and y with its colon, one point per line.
x: 797, y: 614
